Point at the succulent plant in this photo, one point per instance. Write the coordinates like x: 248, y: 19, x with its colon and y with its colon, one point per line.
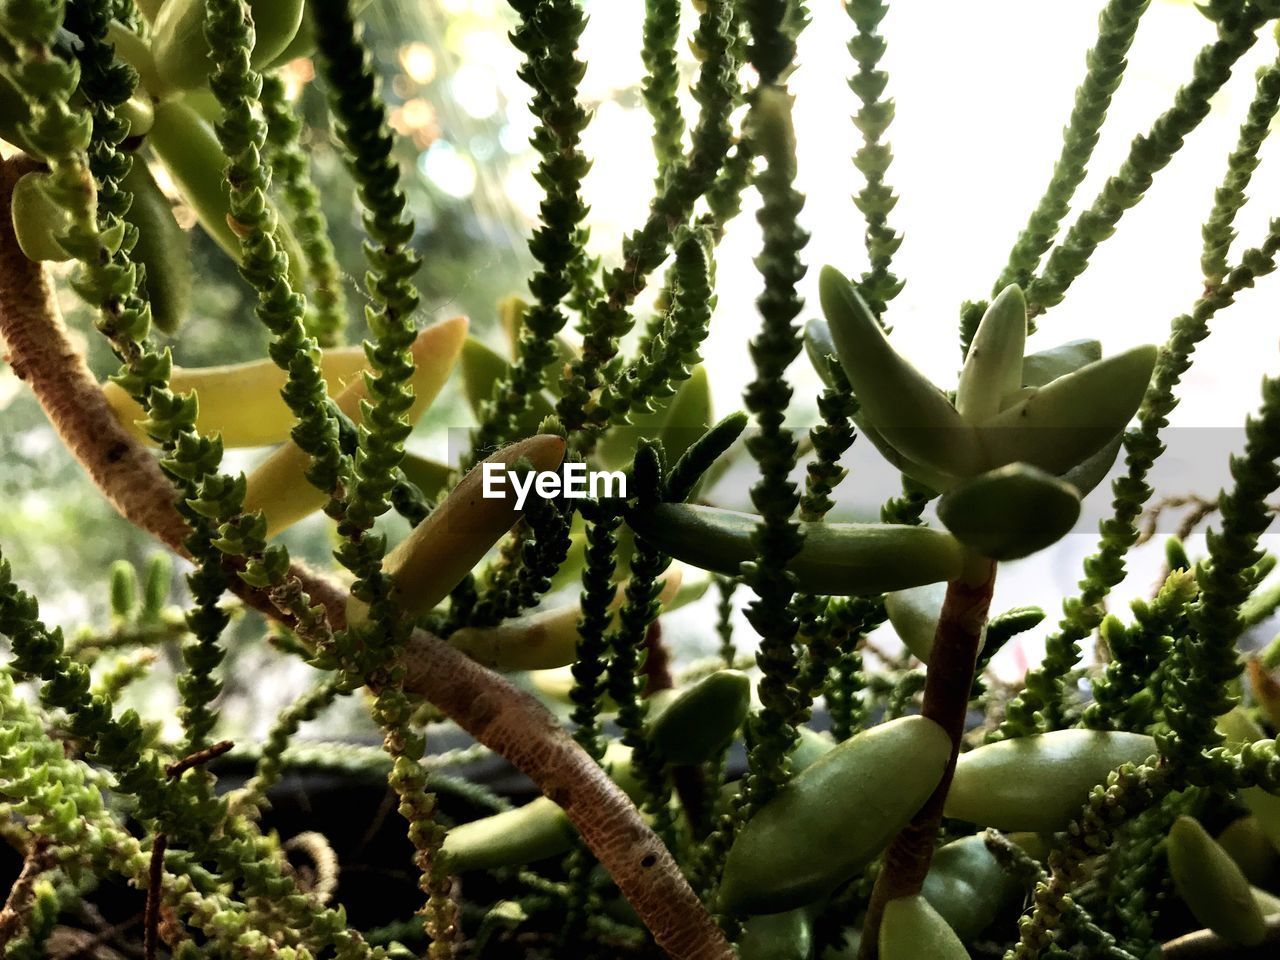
x: 531, y: 618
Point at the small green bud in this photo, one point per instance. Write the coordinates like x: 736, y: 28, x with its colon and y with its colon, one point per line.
x: 124, y: 590
x: 156, y: 588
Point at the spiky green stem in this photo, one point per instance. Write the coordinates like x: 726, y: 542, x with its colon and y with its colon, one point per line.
x: 327, y: 313
x: 1149, y: 154
x: 1038, y: 706
x: 876, y: 199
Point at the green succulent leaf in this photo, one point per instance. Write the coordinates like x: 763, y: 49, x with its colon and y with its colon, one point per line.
x: 908, y: 411
x: 1011, y: 512
x: 836, y: 559
x: 993, y: 367
x: 1045, y: 366
x: 1038, y: 783
x: 1212, y: 885
x: 699, y: 721
x: 803, y: 843
x: 914, y: 614
x: 1071, y: 418
x: 911, y: 929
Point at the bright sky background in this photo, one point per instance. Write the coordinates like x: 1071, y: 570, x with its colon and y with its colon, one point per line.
x: 983, y: 90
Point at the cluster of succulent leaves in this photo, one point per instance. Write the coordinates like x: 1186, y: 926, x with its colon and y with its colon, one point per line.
x: 1094, y: 804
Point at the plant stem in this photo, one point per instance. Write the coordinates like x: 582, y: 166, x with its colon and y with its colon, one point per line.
x: 946, y: 702
x: 1207, y: 945
x: 497, y: 714
x: 39, y: 860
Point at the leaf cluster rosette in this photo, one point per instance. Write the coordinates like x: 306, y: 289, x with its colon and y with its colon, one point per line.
x: 1021, y: 441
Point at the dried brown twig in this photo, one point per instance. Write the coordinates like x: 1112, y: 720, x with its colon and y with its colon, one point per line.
x: 39, y: 860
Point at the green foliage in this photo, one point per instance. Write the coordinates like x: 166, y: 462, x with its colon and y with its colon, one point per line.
x: 1106, y: 63
x: 662, y: 80
x: 1230, y: 197
x: 548, y: 38
x: 91, y: 789
x: 1148, y: 155
x: 778, y: 538
x: 327, y: 319
x: 608, y: 317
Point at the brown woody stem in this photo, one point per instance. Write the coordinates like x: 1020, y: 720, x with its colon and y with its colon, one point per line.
x: 1207, y: 945
x: 198, y: 759
x: 17, y: 907
x: 500, y: 716
x: 946, y: 701
x: 155, y: 892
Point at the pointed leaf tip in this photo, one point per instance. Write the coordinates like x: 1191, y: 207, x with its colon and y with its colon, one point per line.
x: 993, y: 368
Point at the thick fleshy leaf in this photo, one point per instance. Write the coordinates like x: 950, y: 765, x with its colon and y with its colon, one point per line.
x: 777, y: 936
x: 1011, y: 512
x: 836, y: 559
x: 914, y: 614
x: 1045, y: 366
x: 482, y: 369
x: 278, y: 486
x: 967, y: 885
x: 700, y: 720
x: 241, y: 402
x: 439, y: 552
x: 912, y: 414
x: 1038, y: 783
x: 803, y: 843
x: 188, y: 148
x: 993, y: 368
x: 911, y: 930
x: 1060, y: 425
x: 536, y: 831
x: 542, y: 640
x: 182, y: 53
x: 1212, y: 886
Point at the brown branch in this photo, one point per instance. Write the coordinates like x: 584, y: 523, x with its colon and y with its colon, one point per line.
x: 656, y: 667
x: 499, y: 715
x: 197, y: 759
x: 1207, y: 945
x: 946, y: 701
x: 17, y: 906
x: 155, y: 892
x: 42, y: 355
